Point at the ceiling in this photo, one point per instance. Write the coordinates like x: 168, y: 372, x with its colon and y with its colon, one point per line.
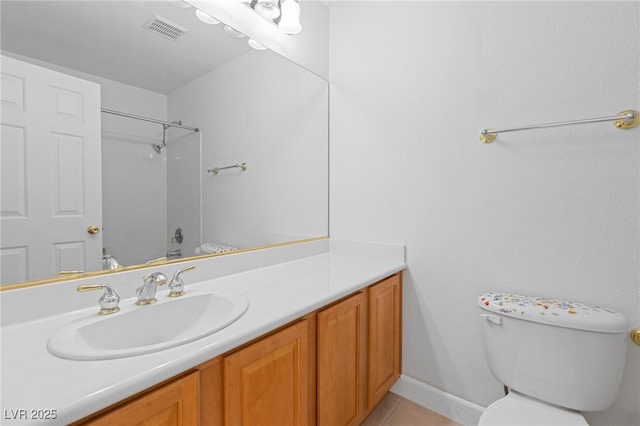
x: 331, y: 3
x: 107, y: 39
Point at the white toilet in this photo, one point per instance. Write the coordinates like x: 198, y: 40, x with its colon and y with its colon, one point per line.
x: 557, y: 358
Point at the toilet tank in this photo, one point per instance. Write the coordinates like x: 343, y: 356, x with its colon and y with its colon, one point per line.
x: 567, y: 354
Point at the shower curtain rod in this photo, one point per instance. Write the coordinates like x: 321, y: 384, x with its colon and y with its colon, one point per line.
x: 152, y: 120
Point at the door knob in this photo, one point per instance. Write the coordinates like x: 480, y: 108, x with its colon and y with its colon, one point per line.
x: 93, y: 230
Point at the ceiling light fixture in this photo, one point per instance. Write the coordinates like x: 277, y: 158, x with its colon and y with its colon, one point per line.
x: 269, y: 9
x: 285, y: 14
x: 256, y: 45
x: 206, y: 18
x: 290, y: 19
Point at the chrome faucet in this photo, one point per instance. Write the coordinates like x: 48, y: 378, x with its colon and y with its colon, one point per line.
x: 174, y: 253
x: 109, y: 262
x: 108, y: 301
x: 176, y: 286
x: 147, y: 292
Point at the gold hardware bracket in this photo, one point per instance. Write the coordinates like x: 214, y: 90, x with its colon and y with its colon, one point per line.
x: 68, y: 273
x: 93, y: 230
x: 176, y: 293
x: 486, y: 136
x: 83, y: 288
x: 635, y: 336
x: 628, y: 123
x: 146, y: 302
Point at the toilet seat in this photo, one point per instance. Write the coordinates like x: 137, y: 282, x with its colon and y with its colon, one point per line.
x: 516, y: 409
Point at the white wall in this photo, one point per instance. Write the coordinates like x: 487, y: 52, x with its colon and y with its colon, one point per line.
x: 550, y: 212
x: 263, y: 110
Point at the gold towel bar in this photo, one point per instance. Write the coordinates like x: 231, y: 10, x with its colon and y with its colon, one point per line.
x: 215, y: 170
x: 625, y: 120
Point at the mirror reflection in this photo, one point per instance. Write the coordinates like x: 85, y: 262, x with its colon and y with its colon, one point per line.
x: 111, y: 132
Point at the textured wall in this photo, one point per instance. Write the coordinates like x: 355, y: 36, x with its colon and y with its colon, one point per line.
x: 550, y: 212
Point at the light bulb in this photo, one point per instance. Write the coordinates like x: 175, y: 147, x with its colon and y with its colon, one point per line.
x: 290, y: 20
x: 256, y: 45
x: 206, y: 18
x: 268, y: 9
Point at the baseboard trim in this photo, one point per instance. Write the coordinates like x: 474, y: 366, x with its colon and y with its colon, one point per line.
x: 446, y: 404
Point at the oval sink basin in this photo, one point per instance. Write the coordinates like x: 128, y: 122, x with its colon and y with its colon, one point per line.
x: 137, y: 330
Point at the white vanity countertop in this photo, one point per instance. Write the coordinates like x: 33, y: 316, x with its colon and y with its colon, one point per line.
x: 35, y: 381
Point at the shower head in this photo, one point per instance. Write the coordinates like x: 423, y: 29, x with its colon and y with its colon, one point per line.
x: 157, y: 148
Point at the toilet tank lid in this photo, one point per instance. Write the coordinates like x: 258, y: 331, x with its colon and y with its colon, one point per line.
x: 554, y: 312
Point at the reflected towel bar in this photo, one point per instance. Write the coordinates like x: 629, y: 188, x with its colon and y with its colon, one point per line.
x: 625, y: 120
x: 215, y: 170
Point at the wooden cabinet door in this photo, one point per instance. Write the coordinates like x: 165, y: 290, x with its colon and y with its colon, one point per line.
x: 267, y: 383
x: 384, y: 338
x: 341, y: 362
x: 173, y: 404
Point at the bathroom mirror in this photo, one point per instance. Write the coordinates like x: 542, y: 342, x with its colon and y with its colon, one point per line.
x: 252, y: 108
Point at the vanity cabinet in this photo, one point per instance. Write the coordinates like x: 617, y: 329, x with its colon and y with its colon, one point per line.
x: 174, y: 403
x: 330, y: 367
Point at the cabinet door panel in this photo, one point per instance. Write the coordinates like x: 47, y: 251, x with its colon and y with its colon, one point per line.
x: 384, y: 338
x: 174, y: 404
x: 341, y: 362
x: 267, y: 383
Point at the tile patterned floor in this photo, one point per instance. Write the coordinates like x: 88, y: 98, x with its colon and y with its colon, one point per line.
x: 394, y: 410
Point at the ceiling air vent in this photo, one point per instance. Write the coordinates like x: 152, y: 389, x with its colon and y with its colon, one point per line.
x: 164, y: 27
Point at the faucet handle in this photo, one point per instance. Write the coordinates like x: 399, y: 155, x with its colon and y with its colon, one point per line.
x: 147, y: 292
x: 108, y: 301
x: 176, y: 287
x: 157, y: 278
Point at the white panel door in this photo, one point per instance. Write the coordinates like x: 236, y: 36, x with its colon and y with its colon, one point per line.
x: 50, y: 173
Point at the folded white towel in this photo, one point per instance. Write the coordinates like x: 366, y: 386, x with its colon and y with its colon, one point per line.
x: 209, y: 248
